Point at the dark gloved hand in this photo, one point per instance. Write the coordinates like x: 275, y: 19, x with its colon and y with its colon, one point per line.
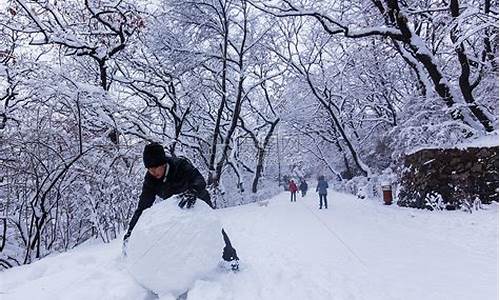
x: 126, y: 236
x: 188, y: 198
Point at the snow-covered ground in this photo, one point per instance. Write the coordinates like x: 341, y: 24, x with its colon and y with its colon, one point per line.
x: 357, y: 249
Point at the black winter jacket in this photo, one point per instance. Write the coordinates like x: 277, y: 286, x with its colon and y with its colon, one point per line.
x: 181, y: 177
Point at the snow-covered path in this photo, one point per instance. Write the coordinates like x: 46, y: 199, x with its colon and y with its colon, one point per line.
x: 357, y: 249
x: 364, y: 250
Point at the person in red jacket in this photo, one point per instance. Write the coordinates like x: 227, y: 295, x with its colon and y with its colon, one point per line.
x: 292, y: 187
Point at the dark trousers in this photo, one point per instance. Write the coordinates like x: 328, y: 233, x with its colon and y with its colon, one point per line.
x: 293, y: 196
x: 303, y: 193
x: 228, y: 253
x: 322, y: 199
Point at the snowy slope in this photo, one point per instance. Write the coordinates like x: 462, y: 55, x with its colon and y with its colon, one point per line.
x: 357, y: 249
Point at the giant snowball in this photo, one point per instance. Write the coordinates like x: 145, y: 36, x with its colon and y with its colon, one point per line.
x: 170, y: 248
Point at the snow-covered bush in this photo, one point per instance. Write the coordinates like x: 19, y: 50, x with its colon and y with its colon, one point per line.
x: 370, y: 187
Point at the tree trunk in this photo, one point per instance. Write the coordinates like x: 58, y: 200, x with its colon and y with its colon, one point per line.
x: 216, y: 134
x: 465, y: 85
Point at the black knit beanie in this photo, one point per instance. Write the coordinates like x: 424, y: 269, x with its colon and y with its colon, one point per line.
x: 154, y: 155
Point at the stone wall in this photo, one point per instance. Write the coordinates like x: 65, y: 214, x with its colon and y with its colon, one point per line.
x: 449, y: 178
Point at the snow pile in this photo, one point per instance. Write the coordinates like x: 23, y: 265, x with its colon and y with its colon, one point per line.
x: 170, y: 248
x: 90, y: 271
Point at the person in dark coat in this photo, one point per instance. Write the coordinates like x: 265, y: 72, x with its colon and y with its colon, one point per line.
x: 168, y: 176
x: 321, y: 189
x: 303, y: 187
x: 292, y: 187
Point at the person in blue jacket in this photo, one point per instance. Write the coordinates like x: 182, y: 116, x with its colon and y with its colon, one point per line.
x: 321, y: 189
x: 303, y: 187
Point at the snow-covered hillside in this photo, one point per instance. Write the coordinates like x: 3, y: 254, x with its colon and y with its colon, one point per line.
x: 357, y: 249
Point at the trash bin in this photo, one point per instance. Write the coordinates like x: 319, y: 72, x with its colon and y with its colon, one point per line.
x: 387, y: 192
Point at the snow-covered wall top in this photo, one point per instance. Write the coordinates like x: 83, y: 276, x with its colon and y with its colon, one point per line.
x: 481, y: 142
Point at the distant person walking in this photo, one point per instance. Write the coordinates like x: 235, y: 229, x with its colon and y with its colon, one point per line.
x: 321, y: 190
x: 303, y: 187
x: 292, y: 187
